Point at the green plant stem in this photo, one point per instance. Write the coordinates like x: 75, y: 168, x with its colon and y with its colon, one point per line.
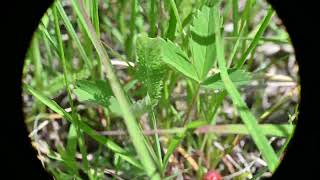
x: 188, y: 112
x: 156, y: 136
x: 153, y: 19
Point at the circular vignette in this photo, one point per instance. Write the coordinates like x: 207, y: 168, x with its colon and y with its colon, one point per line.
x: 301, y: 150
x: 22, y: 157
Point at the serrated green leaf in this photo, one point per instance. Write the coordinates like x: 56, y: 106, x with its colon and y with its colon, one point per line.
x: 238, y: 77
x: 177, y: 59
x: 202, y: 41
x: 150, y: 69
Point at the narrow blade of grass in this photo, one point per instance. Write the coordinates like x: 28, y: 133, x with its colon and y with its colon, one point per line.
x: 48, y: 36
x: 235, y: 16
x: 256, y: 38
x: 176, y: 14
x: 73, y: 34
x: 72, y: 141
x: 153, y: 18
x: 249, y: 120
x: 283, y: 130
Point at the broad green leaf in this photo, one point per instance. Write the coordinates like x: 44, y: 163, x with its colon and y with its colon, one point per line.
x: 202, y: 41
x: 238, y: 77
x: 177, y: 59
x: 97, y: 91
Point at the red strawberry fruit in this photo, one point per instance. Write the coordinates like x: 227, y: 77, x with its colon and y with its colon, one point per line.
x: 212, y: 175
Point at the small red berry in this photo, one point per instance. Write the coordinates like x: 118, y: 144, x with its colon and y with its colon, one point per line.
x: 212, y: 175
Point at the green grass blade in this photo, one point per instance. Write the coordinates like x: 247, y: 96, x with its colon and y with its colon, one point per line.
x: 173, y: 144
x: 235, y: 48
x: 129, y: 43
x: 95, y: 16
x: 235, y: 16
x: 171, y: 31
x: 72, y: 140
x: 153, y: 18
x: 249, y: 120
x: 256, y: 38
x: 176, y: 14
x: 73, y: 34
x: 283, y: 130
x: 36, y: 57
x: 48, y: 36
x: 49, y: 54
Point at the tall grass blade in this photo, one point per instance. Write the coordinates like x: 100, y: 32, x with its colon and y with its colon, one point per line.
x: 249, y: 120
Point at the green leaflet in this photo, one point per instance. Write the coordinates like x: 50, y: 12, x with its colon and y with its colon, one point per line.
x: 150, y: 69
x: 201, y: 44
x: 238, y: 76
x: 202, y: 41
x: 97, y: 91
x: 177, y: 59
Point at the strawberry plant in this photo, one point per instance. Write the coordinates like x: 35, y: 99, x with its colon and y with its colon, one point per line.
x: 160, y: 89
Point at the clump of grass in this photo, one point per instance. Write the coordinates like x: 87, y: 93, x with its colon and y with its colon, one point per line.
x: 160, y: 89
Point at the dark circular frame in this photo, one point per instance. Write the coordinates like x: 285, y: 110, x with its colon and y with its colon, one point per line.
x: 21, y: 20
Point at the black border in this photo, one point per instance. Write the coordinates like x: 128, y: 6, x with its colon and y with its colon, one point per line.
x: 300, y: 20
x: 21, y: 18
